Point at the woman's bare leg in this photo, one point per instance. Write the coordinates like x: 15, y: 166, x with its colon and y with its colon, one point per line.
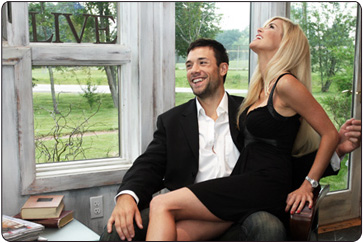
x: 199, y: 230
x: 180, y: 205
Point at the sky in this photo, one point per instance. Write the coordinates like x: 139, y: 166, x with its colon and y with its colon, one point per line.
x: 236, y: 15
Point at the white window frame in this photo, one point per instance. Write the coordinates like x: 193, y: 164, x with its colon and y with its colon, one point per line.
x: 127, y: 53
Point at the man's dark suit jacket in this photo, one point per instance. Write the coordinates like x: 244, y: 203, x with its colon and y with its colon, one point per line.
x: 171, y: 159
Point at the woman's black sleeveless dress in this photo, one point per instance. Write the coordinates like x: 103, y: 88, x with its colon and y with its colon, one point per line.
x: 261, y: 179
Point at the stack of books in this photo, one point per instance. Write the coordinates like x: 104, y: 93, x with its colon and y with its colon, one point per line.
x: 47, y: 210
x: 14, y: 229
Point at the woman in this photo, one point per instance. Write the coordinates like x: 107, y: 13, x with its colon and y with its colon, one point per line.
x: 277, y: 103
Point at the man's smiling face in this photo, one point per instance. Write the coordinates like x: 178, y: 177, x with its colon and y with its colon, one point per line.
x: 204, y: 76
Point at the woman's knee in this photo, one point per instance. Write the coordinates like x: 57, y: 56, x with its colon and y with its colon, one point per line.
x: 159, y: 204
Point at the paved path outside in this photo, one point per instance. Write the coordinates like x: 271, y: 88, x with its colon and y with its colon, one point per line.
x: 105, y: 89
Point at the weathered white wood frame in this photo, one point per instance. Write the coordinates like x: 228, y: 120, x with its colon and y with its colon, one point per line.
x: 142, y: 24
x: 79, y: 55
x: 18, y: 58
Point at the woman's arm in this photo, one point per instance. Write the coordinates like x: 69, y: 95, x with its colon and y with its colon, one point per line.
x: 292, y: 95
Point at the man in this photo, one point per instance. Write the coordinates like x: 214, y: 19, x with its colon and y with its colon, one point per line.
x: 194, y: 142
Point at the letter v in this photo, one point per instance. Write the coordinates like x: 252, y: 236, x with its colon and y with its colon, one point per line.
x: 78, y: 39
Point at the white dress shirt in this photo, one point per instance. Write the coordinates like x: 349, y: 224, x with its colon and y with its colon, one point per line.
x: 217, y: 152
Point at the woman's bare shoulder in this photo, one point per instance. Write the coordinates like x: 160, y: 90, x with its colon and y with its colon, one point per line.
x: 289, y: 84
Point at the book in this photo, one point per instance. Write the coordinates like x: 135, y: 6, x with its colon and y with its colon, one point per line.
x: 42, y: 207
x: 14, y: 229
x: 65, y: 217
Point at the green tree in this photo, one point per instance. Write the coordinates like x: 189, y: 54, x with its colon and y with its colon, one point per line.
x: 229, y: 37
x: 236, y: 43
x: 194, y: 20
x: 103, y: 9
x: 238, y: 48
x: 330, y: 28
x: 339, y: 105
x: 330, y: 32
x: 244, y: 39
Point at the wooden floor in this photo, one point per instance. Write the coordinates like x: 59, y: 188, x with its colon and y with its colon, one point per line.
x: 350, y: 230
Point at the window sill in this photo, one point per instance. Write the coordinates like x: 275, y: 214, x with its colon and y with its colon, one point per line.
x: 53, y: 177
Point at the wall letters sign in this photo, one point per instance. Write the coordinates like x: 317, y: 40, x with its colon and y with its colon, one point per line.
x: 74, y: 32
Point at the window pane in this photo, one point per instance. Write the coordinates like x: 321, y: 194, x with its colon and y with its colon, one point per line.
x: 331, y: 28
x: 76, y: 114
x: 228, y: 23
x: 234, y: 36
x: 80, y: 22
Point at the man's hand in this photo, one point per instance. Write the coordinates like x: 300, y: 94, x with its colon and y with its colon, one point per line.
x: 123, y: 216
x: 350, y: 137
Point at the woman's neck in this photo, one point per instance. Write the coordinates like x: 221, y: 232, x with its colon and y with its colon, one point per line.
x: 262, y: 65
x: 263, y: 60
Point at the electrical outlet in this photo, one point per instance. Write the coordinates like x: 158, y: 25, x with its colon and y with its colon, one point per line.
x: 96, y: 206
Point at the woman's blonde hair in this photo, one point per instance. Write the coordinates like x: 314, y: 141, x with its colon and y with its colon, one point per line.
x: 293, y: 56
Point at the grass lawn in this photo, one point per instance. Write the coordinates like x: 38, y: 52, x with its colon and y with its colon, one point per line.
x: 70, y: 75
x: 181, y: 98
x: 339, y: 181
x: 106, y: 119
x: 95, y: 146
x: 77, y: 116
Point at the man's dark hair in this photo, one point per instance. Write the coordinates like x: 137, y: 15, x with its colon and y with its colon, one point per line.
x: 220, y: 52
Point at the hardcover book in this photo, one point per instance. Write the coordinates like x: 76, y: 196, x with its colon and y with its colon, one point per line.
x: 65, y: 217
x: 42, y: 207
